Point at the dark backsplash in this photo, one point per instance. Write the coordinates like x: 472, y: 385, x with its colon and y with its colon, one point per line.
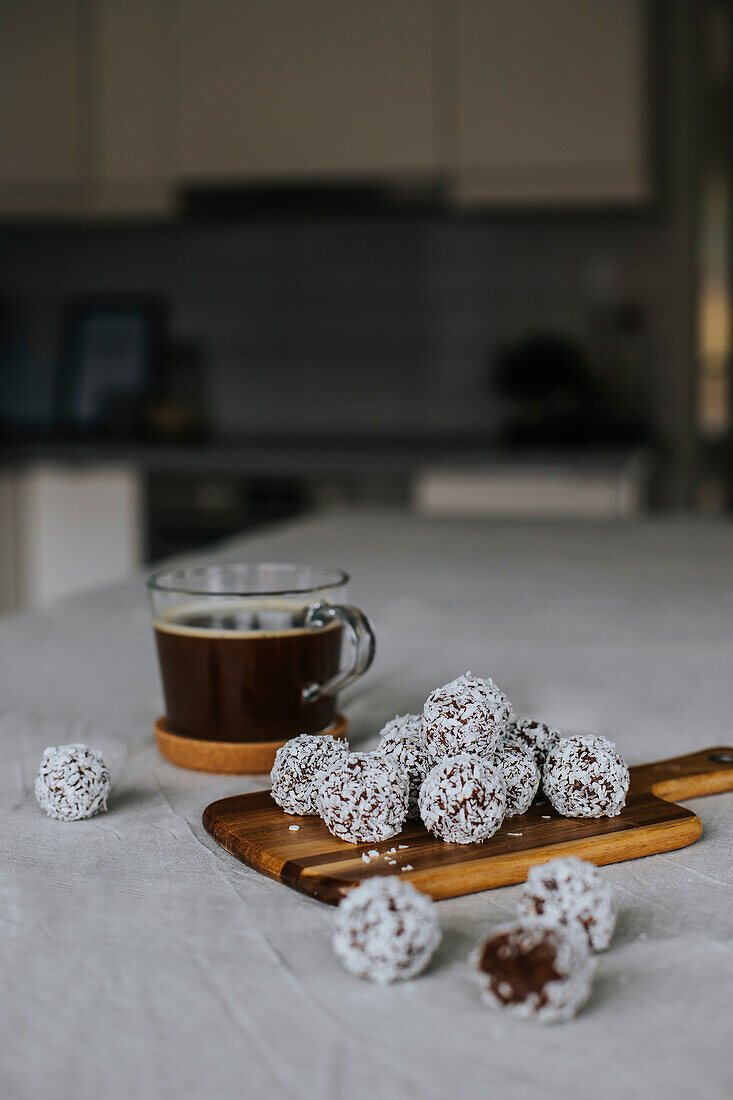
x: 371, y: 324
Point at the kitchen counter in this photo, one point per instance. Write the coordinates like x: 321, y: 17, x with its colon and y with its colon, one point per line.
x: 353, y: 454
x: 140, y: 960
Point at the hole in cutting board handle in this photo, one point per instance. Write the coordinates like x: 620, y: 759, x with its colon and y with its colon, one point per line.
x: 721, y: 757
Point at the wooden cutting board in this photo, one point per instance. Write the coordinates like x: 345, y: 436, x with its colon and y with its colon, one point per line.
x: 254, y: 829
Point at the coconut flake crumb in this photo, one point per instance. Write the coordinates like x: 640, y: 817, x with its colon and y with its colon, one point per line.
x: 403, y: 847
x: 365, y: 857
x: 373, y: 853
x: 408, y: 867
x: 293, y: 828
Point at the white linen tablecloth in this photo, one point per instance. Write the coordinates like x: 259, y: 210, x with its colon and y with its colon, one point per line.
x: 139, y: 960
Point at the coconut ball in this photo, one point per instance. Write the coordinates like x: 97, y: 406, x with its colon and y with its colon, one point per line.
x: 402, y: 725
x: 537, y: 736
x: 386, y: 930
x: 299, y: 763
x: 363, y: 798
x: 573, y: 893
x: 411, y: 758
x: 521, y: 775
x: 466, y: 715
x: 72, y: 782
x: 463, y: 799
x: 585, y: 776
x: 534, y: 970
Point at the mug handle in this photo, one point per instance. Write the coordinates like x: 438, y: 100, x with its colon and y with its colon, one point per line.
x: 361, y: 635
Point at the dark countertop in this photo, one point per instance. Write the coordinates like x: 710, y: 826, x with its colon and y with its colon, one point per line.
x: 311, y: 455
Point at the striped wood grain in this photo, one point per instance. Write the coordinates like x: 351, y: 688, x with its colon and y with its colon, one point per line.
x: 256, y: 831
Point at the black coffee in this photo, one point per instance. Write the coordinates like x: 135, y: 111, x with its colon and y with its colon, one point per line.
x: 234, y: 676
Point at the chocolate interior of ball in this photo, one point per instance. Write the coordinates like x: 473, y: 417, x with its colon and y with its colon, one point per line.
x: 516, y: 973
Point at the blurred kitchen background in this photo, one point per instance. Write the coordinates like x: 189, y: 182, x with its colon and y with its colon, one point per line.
x: 263, y: 257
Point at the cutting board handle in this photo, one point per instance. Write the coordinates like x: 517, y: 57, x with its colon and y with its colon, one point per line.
x: 707, y: 772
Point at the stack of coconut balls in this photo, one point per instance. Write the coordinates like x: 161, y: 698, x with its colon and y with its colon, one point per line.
x: 464, y: 765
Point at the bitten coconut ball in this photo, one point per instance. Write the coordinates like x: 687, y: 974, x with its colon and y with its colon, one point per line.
x: 585, y: 776
x: 573, y: 893
x: 466, y: 715
x: 402, y: 725
x: 363, y: 798
x: 521, y: 775
x: 463, y: 799
x: 386, y: 930
x: 534, y: 970
x: 72, y: 782
x: 299, y: 764
x: 411, y: 758
x: 537, y: 736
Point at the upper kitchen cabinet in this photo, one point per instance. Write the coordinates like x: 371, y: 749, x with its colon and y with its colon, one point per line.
x: 112, y: 107
x: 551, y: 101
x: 41, y: 53
x: 134, y: 98
x: 274, y: 88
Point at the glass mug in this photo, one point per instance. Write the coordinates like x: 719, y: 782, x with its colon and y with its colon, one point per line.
x: 252, y: 652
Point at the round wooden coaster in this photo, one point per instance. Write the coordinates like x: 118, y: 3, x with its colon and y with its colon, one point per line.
x: 226, y: 757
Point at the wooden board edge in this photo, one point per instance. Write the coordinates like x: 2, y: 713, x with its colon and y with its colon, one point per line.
x: 707, y: 771
x: 460, y: 879
x: 227, y: 838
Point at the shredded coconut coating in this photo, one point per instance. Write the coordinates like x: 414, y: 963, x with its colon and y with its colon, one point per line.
x: 411, y: 758
x: 299, y: 763
x: 463, y: 799
x: 466, y: 715
x: 521, y: 775
x: 402, y: 725
x: 363, y: 798
x: 585, y: 776
x: 534, y: 970
x: 386, y: 930
x: 537, y: 736
x: 575, y: 894
x: 499, y: 701
x: 72, y: 782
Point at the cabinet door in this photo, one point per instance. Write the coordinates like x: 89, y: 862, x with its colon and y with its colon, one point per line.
x: 135, y: 93
x: 79, y: 528
x: 325, y: 86
x: 551, y: 100
x: 40, y: 92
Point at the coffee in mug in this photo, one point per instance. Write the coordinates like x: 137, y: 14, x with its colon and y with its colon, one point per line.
x: 252, y: 652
